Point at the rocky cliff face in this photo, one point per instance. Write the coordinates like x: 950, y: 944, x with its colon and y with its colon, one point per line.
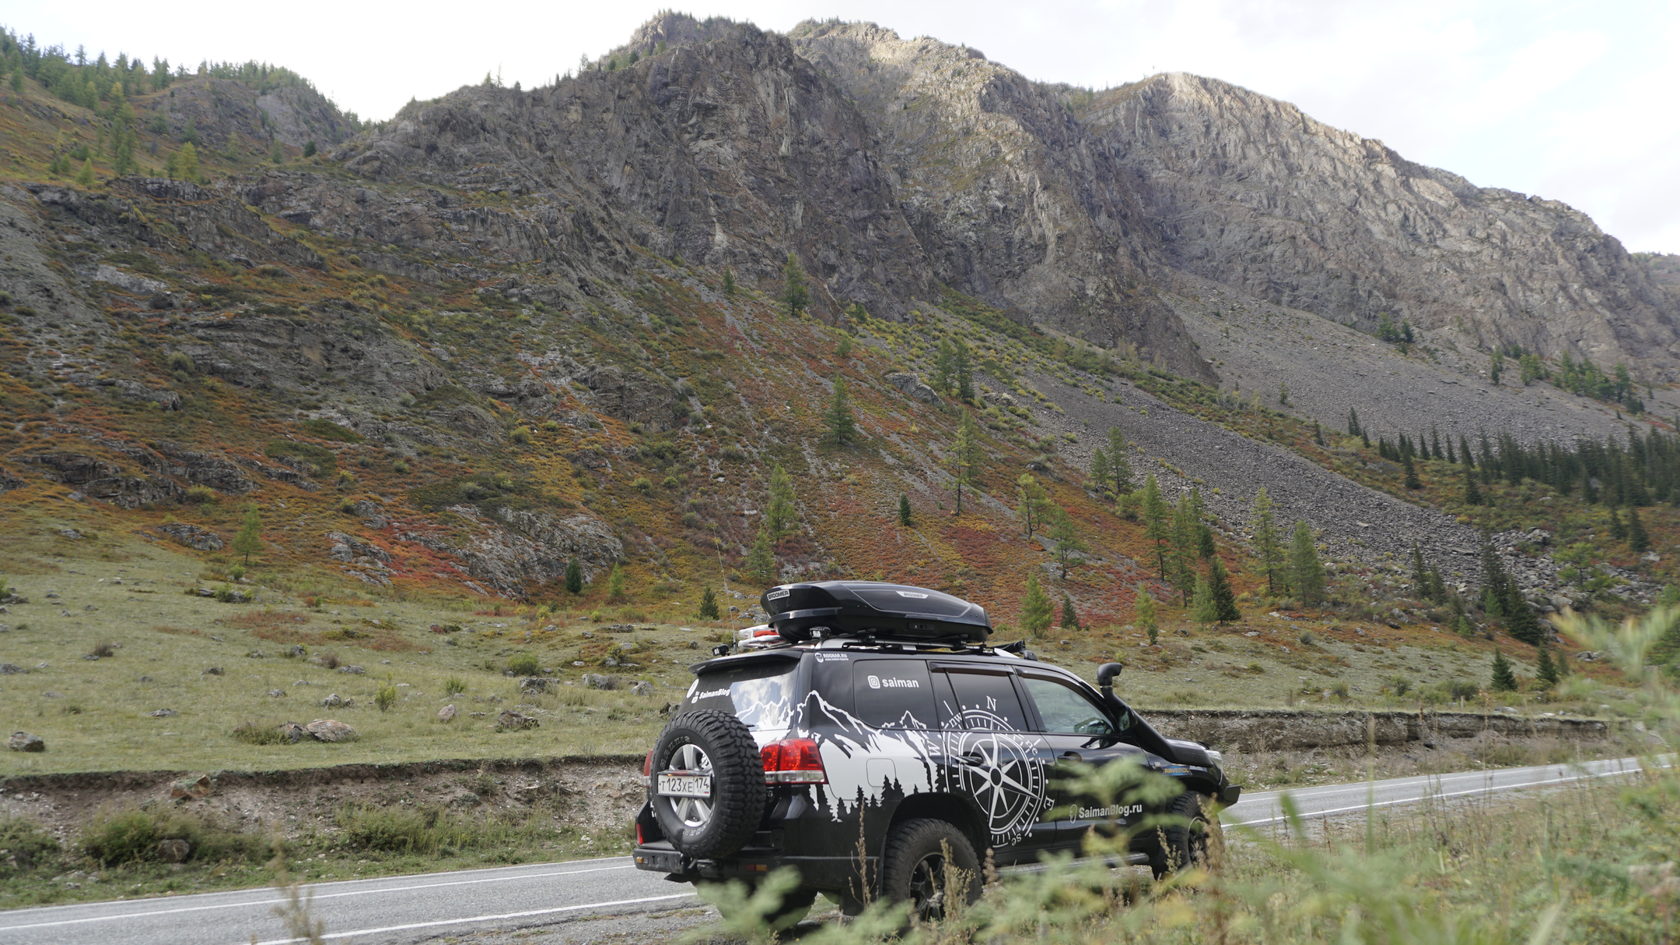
x: 1004, y: 187
x: 726, y: 150
x: 1249, y: 191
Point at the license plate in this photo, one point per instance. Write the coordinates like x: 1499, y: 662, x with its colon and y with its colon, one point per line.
x: 685, y: 785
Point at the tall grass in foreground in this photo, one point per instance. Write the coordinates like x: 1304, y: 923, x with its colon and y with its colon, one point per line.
x: 1597, y: 862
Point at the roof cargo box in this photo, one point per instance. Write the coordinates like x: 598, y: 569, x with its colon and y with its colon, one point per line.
x: 856, y: 608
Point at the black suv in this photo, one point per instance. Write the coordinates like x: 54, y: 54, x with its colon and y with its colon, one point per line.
x: 868, y: 732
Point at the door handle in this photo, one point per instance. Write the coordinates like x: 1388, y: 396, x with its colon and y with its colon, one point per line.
x: 973, y: 758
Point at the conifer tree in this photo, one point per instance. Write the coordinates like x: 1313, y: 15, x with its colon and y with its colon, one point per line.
x: 574, y: 577
x: 795, y: 294
x: 1119, y: 467
x: 729, y: 283
x: 1354, y: 429
x: 1503, y: 679
x: 615, y: 584
x: 1070, y: 619
x: 1472, y: 491
x: 1306, y: 572
x: 842, y: 427
x: 761, y: 558
x: 1144, y: 612
x: 1099, y: 472
x: 1520, y: 619
x: 1155, y: 523
x: 944, y: 367
x: 1202, y: 606
x: 963, y: 371
x: 84, y: 177
x: 1183, y: 551
x: 1412, y: 480
x: 1031, y: 500
x: 965, y: 455
x: 1637, y: 539
x: 1618, y: 531
x: 780, y: 511
x: 1266, y: 544
x: 904, y: 518
x: 1224, y: 598
x: 1064, y: 540
x: 708, y: 604
x: 1546, y: 672
x: 1036, y: 610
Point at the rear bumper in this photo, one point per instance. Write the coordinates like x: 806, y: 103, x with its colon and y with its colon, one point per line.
x: 836, y: 873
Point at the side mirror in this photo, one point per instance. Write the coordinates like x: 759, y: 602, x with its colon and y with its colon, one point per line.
x: 1105, y: 677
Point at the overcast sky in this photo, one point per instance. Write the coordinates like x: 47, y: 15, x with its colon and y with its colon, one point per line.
x: 1569, y: 100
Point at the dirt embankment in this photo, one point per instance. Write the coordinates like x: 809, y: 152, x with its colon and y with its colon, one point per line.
x: 597, y: 796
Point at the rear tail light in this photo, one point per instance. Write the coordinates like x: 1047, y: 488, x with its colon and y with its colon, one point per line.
x: 793, y: 761
x: 640, y: 840
x: 647, y: 765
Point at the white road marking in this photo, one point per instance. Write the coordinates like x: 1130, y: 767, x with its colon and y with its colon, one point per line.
x: 1484, y: 789
x: 482, y: 918
x: 276, y: 899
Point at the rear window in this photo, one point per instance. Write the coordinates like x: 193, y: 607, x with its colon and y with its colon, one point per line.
x: 759, y: 693
x: 986, y: 701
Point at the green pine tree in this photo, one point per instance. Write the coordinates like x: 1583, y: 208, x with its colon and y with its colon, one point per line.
x: 574, y: 577
x: 708, y: 604
x: 761, y: 559
x: 1306, y: 572
x: 965, y: 455
x: 1224, y: 598
x: 1546, y: 671
x: 1119, y: 467
x: 842, y: 426
x: 795, y: 294
x: 615, y: 584
x: 1064, y: 540
x: 1202, y: 605
x: 729, y: 283
x: 904, y: 518
x: 1070, y: 619
x: 963, y: 370
x: 1099, y: 473
x: 1031, y: 500
x: 1144, y: 613
x: 1637, y: 539
x: 779, y: 513
x: 1503, y: 679
x: 1155, y: 524
x: 84, y: 177
x: 1266, y: 544
x: 1036, y: 610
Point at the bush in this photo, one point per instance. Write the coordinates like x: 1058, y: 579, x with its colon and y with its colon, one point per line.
x: 454, y: 686
x: 199, y: 495
x: 103, y: 650
x: 114, y: 838
x: 24, y: 845
x: 253, y: 733
x: 524, y: 664
x: 385, y: 697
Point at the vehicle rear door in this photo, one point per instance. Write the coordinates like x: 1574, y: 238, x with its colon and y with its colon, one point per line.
x: 998, y: 759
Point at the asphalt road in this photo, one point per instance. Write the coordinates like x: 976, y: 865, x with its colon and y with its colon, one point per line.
x: 603, y: 894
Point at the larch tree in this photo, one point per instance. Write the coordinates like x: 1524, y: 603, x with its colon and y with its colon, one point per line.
x: 965, y: 456
x: 1267, y: 546
x: 1306, y: 571
x: 1031, y: 500
x: 842, y: 426
x: 1036, y: 610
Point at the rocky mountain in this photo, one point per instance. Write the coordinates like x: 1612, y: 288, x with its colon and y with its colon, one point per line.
x: 1252, y: 193
x: 514, y: 328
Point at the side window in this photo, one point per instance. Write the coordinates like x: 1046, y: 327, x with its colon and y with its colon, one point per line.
x: 1064, y: 709
x: 986, y: 701
x: 894, y: 694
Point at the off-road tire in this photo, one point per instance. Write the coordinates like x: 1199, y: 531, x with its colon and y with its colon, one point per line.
x: 721, y: 824
x: 915, y: 868
x: 1184, y: 843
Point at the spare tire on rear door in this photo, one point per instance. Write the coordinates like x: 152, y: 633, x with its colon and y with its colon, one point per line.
x: 706, y: 785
